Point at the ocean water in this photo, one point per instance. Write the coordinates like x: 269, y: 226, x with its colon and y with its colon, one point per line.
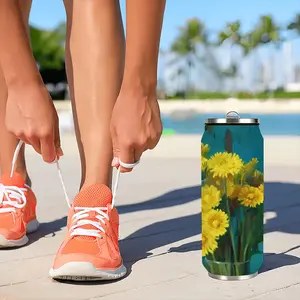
x: 270, y: 124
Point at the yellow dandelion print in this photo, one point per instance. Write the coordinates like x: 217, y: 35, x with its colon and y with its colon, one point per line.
x: 256, y: 179
x: 211, y: 197
x: 216, y: 221
x: 204, y: 149
x: 251, y: 196
x: 216, y: 181
x: 250, y: 166
x: 228, y: 187
x: 258, y: 176
x: 232, y: 190
x: 261, y: 188
x: 203, y: 163
x: 224, y: 164
x: 209, y: 243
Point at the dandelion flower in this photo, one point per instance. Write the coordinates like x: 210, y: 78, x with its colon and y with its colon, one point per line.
x: 204, y: 149
x: 209, y: 243
x: 211, y: 197
x: 203, y: 163
x: 251, y: 196
x: 216, y: 221
x: 250, y: 166
x: 256, y: 179
x: 216, y: 181
x: 224, y: 164
x: 232, y: 190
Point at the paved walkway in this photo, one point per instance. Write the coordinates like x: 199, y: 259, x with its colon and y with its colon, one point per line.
x: 160, y: 232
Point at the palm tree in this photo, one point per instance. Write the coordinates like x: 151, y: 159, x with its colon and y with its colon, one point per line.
x: 48, y: 50
x: 233, y: 36
x: 179, y: 76
x: 295, y: 25
x: 185, y: 47
x: 48, y: 47
x: 266, y: 32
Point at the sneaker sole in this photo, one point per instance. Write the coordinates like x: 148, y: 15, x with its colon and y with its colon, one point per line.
x: 5, y: 243
x: 85, y: 271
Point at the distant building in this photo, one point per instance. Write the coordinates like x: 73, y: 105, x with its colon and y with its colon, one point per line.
x: 294, y: 86
x: 297, y: 74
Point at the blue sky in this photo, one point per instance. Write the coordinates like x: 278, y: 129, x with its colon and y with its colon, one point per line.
x: 214, y: 13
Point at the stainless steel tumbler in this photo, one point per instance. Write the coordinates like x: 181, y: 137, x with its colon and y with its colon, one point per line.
x: 232, y: 168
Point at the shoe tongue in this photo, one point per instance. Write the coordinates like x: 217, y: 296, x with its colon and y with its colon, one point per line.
x: 97, y: 195
x: 15, y: 180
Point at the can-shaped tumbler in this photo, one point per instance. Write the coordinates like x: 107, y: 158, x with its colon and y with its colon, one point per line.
x: 232, y: 197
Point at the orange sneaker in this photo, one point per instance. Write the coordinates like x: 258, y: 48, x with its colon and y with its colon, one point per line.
x: 90, y: 250
x: 17, y: 211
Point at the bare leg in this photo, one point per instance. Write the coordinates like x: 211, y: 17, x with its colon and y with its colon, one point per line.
x: 8, y: 142
x: 95, y: 51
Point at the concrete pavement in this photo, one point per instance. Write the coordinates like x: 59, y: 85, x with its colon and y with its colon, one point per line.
x: 160, y: 230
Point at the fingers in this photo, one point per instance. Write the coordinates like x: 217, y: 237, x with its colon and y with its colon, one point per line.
x: 44, y: 146
x: 115, y: 162
x: 48, y: 145
x: 126, y: 156
x: 116, y: 152
x: 48, y: 149
x: 35, y: 143
x: 23, y: 138
x: 153, y: 143
x: 57, y: 142
x: 29, y: 140
x: 129, y: 150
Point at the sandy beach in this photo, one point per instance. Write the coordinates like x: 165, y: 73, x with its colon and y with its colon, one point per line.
x: 283, y: 106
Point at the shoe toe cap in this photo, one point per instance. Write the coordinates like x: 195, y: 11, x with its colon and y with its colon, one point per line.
x: 98, y: 261
x: 11, y: 234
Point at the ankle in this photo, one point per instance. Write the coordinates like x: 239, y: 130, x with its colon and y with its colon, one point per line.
x: 25, y: 176
x: 28, y: 181
x: 88, y: 182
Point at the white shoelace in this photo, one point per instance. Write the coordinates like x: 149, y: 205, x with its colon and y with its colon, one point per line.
x: 80, y: 218
x: 12, y: 196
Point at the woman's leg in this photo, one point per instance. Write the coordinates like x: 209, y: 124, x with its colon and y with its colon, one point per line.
x: 95, y: 51
x: 95, y: 58
x: 8, y: 142
x: 21, y: 218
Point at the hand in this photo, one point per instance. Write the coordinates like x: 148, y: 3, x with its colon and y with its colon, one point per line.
x: 31, y: 116
x: 135, y: 126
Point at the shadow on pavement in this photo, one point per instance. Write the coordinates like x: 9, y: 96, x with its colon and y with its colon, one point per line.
x: 188, y: 247
x: 47, y: 229
x: 170, y: 199
x: 281, y: 199
x: 274, y: 261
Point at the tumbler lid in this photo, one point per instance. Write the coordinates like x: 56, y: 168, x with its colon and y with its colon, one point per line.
x: 232, y: 117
